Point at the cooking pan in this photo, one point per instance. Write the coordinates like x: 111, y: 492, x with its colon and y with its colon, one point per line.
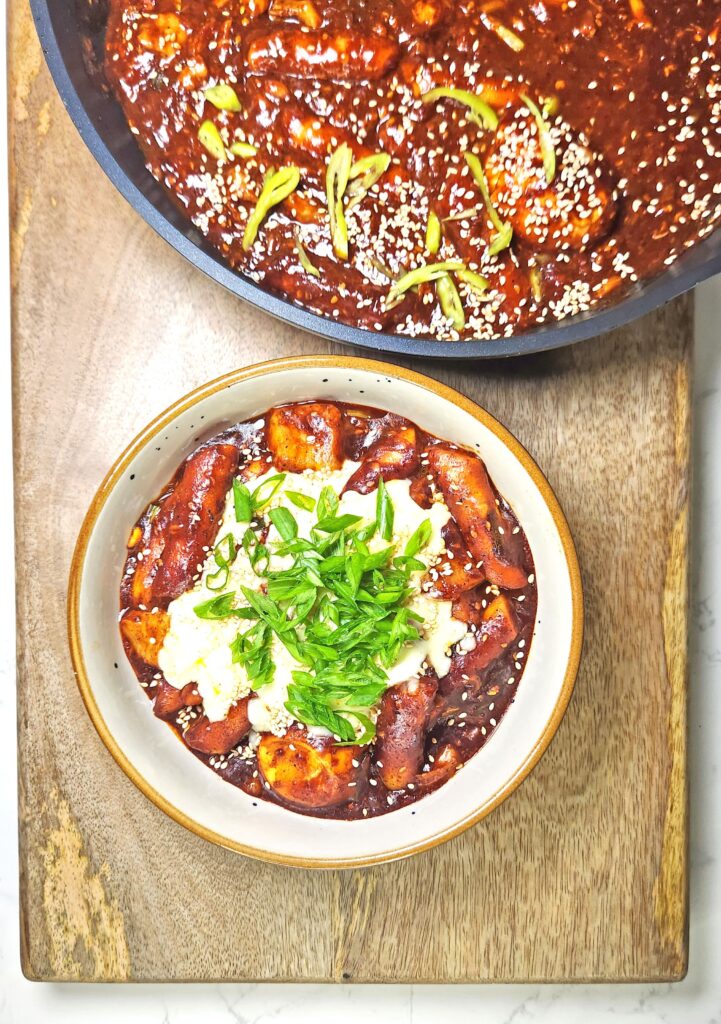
x: 70, y: 34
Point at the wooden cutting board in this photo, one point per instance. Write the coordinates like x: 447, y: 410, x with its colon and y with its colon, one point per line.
x: 580, y: 875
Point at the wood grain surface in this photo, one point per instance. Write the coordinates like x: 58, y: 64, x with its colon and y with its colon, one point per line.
x: 581, y: 874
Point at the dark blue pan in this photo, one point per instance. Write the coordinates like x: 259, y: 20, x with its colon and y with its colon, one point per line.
x: 102, y: 126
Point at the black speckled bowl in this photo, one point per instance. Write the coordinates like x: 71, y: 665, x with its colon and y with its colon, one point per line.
x: 101, y: 124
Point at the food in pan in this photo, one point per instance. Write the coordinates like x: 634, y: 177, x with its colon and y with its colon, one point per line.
x: 332, y: 608
x: 454, y: 170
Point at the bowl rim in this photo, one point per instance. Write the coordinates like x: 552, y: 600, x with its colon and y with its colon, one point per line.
x: 646, y: 296
x: 443, y: 391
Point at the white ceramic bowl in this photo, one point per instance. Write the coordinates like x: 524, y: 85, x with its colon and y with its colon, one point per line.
x: 148, y: 750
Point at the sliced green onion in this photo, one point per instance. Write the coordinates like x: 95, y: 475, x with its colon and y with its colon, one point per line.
x: 337, y: 176
x: 258, y: 554
x: 504, y: 34
x: 327, y: 503
x: 502, y: 240
x: 535, y: 281
x: 422, y: 275
x: 433, y: 233
x: 450, y: 301
x: 265, y: 491
x: 334, y: 524
x: 242, y: 502
x: 384, y: 511
x: 220, y: 607
x: 470, y: 211
x: 223, y: 97
x: 304, y: 259
x: 369, y: 729
x: 301, y: 500
x: 364, y: 173
x: 504, y: 231
x: 277, y: 187
x: 418, y: 539
x: 476, y: 282
x: 284, y: 522
x: 550, y: 106
x: 545, y: 138
x: 209, y: 138
x: 382, y: 268
x: 480, y: 108
x: 243, y: 149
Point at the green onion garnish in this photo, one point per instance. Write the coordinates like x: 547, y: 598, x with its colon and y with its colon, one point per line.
x: 476, y: 282
x: 277, y: 187
x: 505, y: 34
x: 223, y: 97
x: 242, y: 502
x: 243, y: 149
x: 534, y: 278
x: 219, y: 607
x: 336, y: 181
x: 384, y: 511
x: 209, y: 138
x: 265, y: 491
x: 364, y: 173
x: 422, y: 275
x: 504, y: 230
x: 450, y: 301
x: 486, y: 113
x: 284, y: 522
x: 304, y: 258
x: 433, y: 233
x: 300, y: 500
x: 224, y: 554
x: 548, y: 152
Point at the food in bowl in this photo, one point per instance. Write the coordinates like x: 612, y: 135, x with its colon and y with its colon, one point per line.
x: 331, y: 607
x: 434, y: 169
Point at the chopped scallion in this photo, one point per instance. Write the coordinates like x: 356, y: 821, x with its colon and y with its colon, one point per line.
x: 504, y: 230
x: 486, y: 113
x: 548, y: 152
x: 422, y: 275
x: 223, y: 97
x: 450, y: 301
x: 243, y: 149
x: 364, y: 173
x: 336, y: 182
x: 304, y: 259
x: 277, y: 187
x: 209, y: 137
x: 433, y: 233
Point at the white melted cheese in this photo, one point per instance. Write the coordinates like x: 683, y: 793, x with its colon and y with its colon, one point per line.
x: 198, y: 650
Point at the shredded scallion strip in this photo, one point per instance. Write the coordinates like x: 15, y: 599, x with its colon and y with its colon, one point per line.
x: 243, y: 150
x: 364, y: 173
x: 548, y: 152
x: 476, y: 282
x: 433, y: 233
x: 478, y: 106
x: 504, y: 231
x: 209, y: 138
x: 277, y: 187
x: 422, y: 275
x: 450, y: 301
x: 337, y: 177
x: 505, y: 34
x: 223, y: 97
x: 304, y: 259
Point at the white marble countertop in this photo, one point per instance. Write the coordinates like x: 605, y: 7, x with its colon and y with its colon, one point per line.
x: 696, y: 1000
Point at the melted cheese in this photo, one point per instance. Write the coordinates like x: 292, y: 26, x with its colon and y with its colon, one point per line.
x: 198, y: 650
